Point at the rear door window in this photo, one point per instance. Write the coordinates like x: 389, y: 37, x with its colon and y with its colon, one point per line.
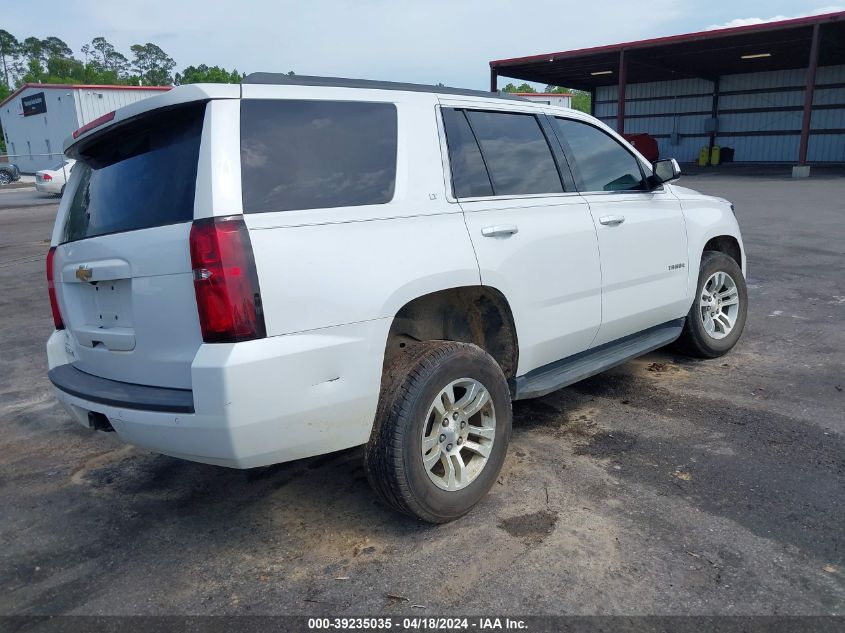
x: 298, y: 154
x: 138, y: 175
x: 516, y: 153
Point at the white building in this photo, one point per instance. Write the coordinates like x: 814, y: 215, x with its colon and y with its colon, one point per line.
x: 37, y: 118
x: 562, y: 99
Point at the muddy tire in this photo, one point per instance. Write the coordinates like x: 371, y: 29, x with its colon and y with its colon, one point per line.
x: 441, y: 431
x: 717, y: 316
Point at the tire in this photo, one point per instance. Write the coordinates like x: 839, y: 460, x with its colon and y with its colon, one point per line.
x: 5, y: 177
x: 711, y: 340
x: 408, y: 416
x: 62, y: 191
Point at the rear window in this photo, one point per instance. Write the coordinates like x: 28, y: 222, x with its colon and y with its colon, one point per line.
x: 138, y: 176
x: 316, y: 154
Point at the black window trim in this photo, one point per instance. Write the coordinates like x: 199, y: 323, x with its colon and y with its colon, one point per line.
x: 573, y: 162
x: 441, y: 123
x: 567, y: 184
x: 561, y: 159
x: 445, y: 159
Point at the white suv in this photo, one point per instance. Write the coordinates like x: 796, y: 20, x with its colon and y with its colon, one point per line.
x: 250, y: 274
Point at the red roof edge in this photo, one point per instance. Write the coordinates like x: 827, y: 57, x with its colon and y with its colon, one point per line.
x: 80, y: 87
x: 674, y: 39
x: 543, y: 94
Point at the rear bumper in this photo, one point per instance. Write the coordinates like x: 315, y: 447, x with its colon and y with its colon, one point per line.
x: 47, y: 187
x: 254, y: 403
x: 77, y: 383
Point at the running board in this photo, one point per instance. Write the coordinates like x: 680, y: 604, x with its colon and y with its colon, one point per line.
x: 538, y: 382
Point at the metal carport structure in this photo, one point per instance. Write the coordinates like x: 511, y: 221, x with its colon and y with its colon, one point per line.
x: 780, y: 84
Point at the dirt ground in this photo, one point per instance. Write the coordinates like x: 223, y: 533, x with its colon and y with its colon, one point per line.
x: 665, y: 486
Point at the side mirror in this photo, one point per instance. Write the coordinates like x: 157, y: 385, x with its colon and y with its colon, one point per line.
x: 665, y: 170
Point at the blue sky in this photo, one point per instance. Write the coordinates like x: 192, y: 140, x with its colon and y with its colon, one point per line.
x: 426, y: 41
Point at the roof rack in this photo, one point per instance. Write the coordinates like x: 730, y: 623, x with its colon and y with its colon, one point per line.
x: 342, y: 82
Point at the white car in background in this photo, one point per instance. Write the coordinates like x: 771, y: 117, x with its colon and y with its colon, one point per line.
x: 53, y: 180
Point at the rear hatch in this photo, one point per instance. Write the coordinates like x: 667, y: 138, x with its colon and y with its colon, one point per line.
x: 122, y: 264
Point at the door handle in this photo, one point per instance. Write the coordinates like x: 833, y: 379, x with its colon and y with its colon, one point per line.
x: 499, y: 230
x: 612, y: 220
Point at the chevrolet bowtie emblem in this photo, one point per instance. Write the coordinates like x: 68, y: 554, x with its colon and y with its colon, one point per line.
x: 83, y: 273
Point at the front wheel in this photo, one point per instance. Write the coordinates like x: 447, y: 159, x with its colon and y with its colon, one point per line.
x: 717, y: 317
x: 441, y: 431
x: 5, y: 178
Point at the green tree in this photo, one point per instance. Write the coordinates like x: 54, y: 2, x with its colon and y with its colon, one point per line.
x: 106, y: 58
x: 523, y: 87
x: 61, y: 70
x: 207, y: 74
x: 105, y: 49
x: 9, y: 47
x: 52, y: 47
x: 31, y: 49
x: 32, y: 71
x: 152, y: 64
x: 581, y: 100
x: 37, y: 55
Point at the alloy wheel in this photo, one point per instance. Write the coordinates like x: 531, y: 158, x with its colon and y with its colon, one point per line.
x: 719, y: 305
x: 458, y: 434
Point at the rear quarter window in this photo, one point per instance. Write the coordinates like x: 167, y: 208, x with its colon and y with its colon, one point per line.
x: 298, y: 154
x: 139, y: 175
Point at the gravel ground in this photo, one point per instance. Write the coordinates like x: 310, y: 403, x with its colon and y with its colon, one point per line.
x: 665, y: 486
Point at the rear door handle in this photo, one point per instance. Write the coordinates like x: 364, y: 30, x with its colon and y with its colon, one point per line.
x: 612, y: 220
x: 499, y: 230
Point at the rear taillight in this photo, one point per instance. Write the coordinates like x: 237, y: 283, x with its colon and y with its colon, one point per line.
x: 225, y: 281
x: 46, y: 177
x: 51, y: 289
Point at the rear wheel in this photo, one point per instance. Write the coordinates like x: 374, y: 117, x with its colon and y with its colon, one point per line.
x: 441, y: 432
x: 5, y: 178
x: 717, y: 317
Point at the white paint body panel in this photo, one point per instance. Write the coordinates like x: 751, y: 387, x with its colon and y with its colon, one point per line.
x: 549, y: 271
x: 706, y: 217
x: 155, y: 306
x: 333, y: 279
x: 639, y: 290
x: 260, y: 402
